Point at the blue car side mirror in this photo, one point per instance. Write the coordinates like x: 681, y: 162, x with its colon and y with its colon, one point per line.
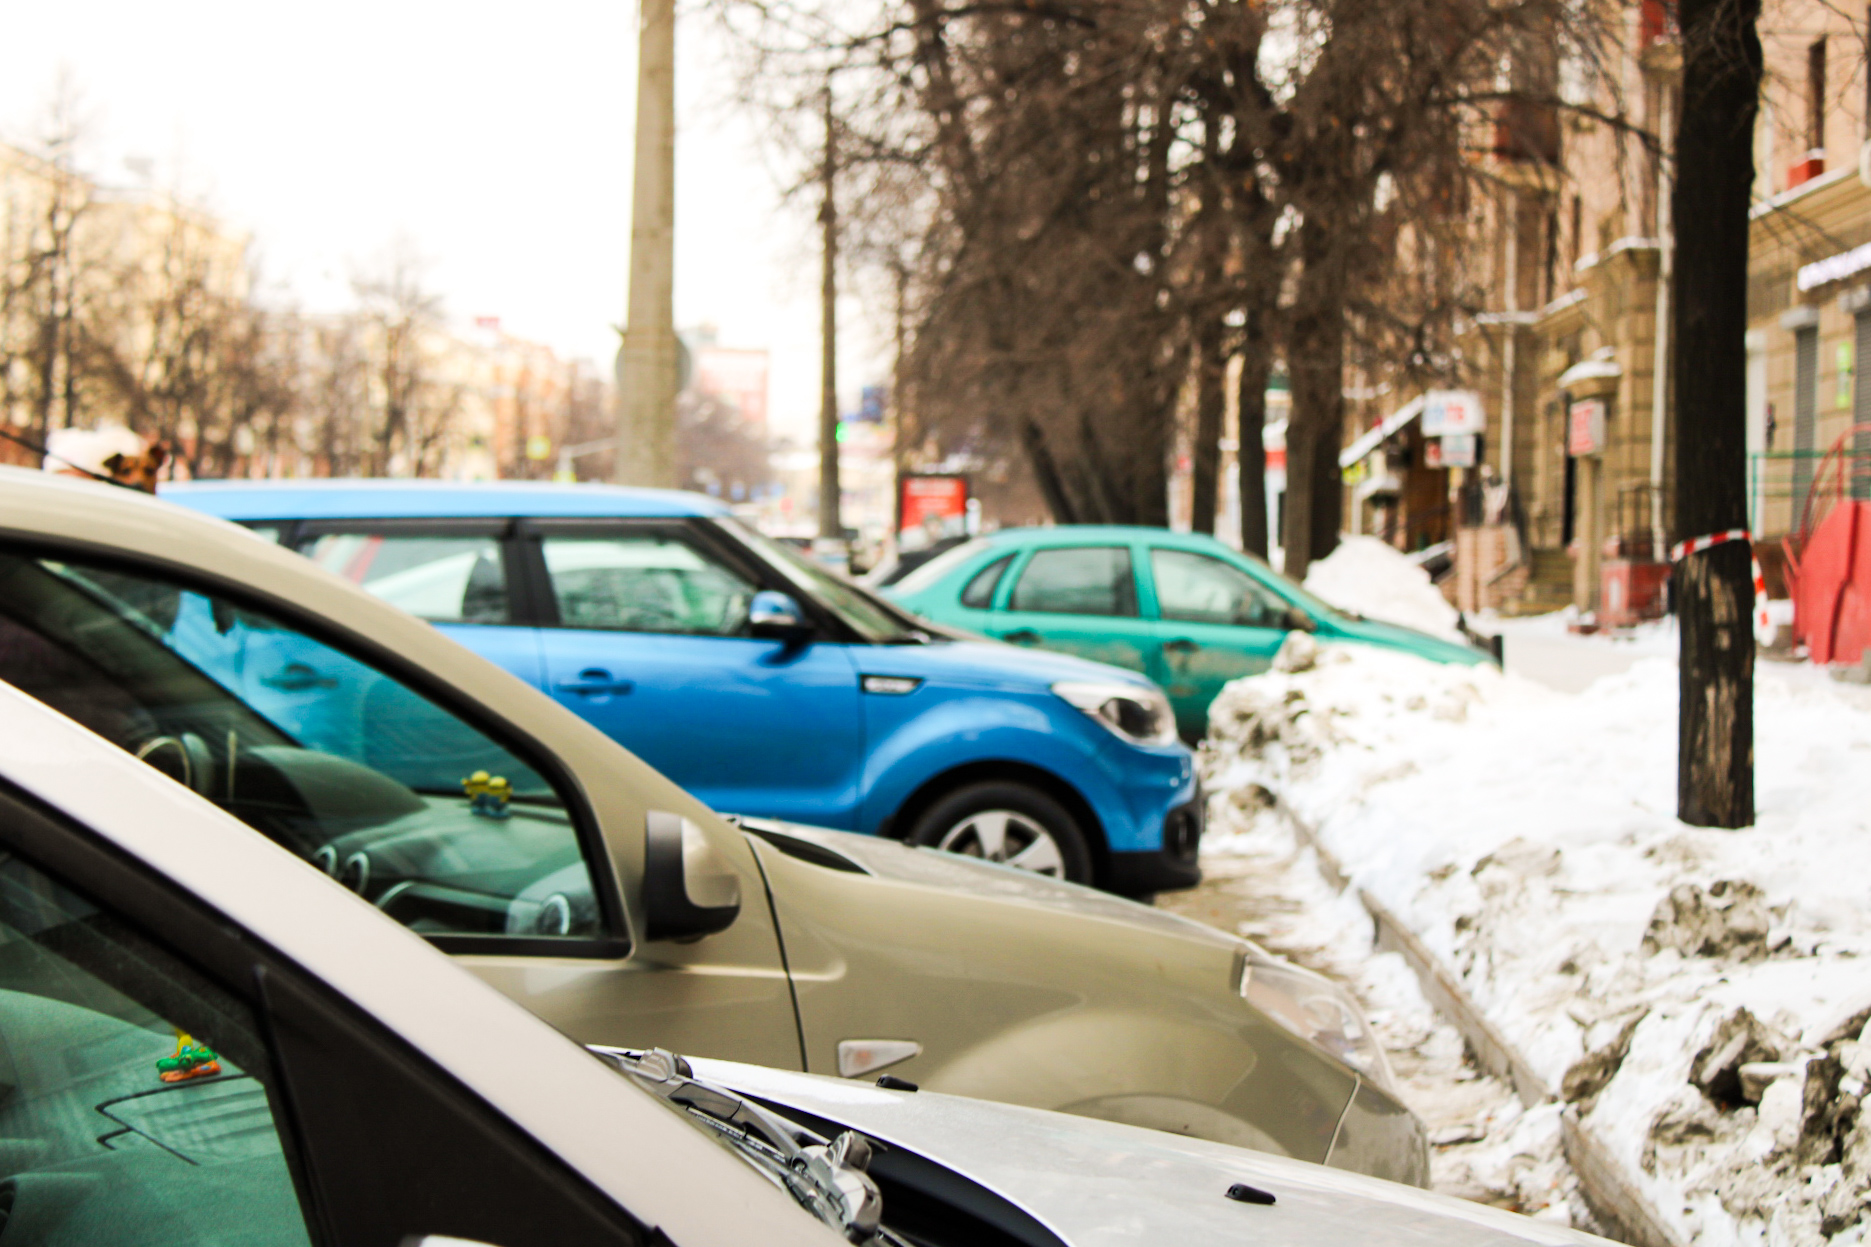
x: 777, y: 617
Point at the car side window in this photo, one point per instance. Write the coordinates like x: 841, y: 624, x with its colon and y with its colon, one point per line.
x: 399, y: 798
x: 646, y: 581
x: 442, y: 578
x: 1197, y: 588
x: 1077, y: 580
x: 140, y: 1102
x: 979, y: 592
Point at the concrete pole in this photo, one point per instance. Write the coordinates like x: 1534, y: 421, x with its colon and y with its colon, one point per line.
x: 831, y: 524
x: 1660, y: 355
x: 646, y: 363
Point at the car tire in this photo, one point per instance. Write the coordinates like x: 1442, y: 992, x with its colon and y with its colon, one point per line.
x: 1007, y: 822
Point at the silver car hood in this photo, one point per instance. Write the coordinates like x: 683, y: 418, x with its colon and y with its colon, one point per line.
x: 1101, y: 1184
x: 891, y: 859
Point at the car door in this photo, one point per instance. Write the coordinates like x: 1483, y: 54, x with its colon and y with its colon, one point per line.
x: 1214, y: 623
x: 171, y: 1080
x: 402, y: 792
x: 646, y: 638
x: 1081, y: 599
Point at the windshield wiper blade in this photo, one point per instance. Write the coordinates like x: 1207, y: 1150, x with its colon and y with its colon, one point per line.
x: 827, y: 1178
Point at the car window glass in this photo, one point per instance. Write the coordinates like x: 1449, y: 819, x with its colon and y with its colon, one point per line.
x: 979, y: 593
x: 444, y: 579
x: 1077, y: 580
x: 399, y: 798
x: 1198, y: 588
x: 645, y: 582
x: 140, y: 1104
x: 869, y: 616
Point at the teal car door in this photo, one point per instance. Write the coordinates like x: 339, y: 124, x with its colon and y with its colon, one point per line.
x: 1080, y: 599
x: 1214, y: 623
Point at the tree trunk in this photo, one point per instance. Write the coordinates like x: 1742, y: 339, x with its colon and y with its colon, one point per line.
x: 1251, y: 401
x: 1316, y: 365
x: 1714, y: 589
x: 1211, y: 375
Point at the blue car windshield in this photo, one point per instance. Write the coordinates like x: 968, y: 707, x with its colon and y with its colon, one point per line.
x: 870, y: 617
x: 936, y: 568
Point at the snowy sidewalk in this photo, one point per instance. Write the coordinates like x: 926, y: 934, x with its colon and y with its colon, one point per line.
x: 1699, y: 995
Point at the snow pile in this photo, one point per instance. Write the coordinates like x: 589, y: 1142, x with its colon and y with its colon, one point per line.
x: 1698, y: 994
x: 1370, y: 578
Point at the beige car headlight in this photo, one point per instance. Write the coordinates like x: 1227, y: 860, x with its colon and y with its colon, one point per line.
x: 1318, y: 1011
x: 1138, y: 713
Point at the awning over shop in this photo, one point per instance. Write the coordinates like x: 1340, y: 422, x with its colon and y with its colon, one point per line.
x: 1373, y: 438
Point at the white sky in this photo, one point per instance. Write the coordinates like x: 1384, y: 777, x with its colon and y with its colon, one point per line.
x: 496, y: 138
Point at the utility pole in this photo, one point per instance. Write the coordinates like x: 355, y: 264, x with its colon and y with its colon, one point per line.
x: 646, y: 362
x: 1713, y: 575
x: 830, y: 546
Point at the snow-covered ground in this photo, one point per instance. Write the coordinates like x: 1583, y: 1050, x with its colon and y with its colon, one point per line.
x: 1702, y: 995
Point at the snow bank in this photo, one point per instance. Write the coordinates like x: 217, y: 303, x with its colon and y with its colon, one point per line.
x: 1699, y: 994
x: 1370, y: 578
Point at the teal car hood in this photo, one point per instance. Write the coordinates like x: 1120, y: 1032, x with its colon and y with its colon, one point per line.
x: 987, y: 664
x: 1395, y: 636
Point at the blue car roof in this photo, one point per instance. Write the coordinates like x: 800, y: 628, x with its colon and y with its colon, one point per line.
x: 412, y: 499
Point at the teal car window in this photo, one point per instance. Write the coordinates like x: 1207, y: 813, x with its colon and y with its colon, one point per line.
x: 442, y: 579
x: 1077, y: 580
x: 1197, y: 588
x: 645, y: 582
x: 438, y: 824
x: 140, y: 1104
x: 979, y: 592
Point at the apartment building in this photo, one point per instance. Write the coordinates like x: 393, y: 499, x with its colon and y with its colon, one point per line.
x: 1569, y: 496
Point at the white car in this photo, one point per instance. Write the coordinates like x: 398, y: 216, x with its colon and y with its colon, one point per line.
x: 205, y: 1043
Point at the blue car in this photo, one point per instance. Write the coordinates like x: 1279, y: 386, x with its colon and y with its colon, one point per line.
x: 760, y: 682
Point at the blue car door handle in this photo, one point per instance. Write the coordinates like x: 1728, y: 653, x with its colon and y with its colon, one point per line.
x: 593, y: 681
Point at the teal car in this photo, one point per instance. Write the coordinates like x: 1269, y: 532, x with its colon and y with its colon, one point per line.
x: 1182, y: 608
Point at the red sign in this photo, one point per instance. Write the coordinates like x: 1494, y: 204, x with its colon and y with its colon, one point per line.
x: 1585, y: 434
x: 921, y: 497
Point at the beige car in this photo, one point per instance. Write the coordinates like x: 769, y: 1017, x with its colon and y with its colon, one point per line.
x: 580, y: 882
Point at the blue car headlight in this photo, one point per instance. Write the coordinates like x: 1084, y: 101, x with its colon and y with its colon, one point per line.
x: 1137, y: 713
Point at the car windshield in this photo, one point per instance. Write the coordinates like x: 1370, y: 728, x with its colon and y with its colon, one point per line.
x: 870, y: 617
x: 939, y: 566
x: 1290, y: 589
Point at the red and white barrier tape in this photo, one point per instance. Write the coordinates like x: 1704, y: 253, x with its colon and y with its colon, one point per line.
x: 1696, y: 545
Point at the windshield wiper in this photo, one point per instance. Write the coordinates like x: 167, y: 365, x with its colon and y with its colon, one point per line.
x: 826, y: 1177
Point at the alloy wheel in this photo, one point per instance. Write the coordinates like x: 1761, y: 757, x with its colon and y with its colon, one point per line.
x: 1006, y: 836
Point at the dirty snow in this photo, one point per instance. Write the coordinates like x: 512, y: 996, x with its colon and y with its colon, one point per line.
x: 1700, y: 994
x: 1370, y: 578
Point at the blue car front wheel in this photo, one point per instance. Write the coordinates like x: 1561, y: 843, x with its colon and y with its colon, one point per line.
x: 1007, y: 822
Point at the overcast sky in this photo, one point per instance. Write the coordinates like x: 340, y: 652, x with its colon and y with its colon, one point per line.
x: 496, y: 138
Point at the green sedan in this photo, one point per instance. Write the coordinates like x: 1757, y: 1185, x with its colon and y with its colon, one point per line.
x: 1184, y: 609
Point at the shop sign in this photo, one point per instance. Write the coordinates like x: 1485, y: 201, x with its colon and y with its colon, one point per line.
x: 1447, y: 412
x: 943, y: 499
x: 1585, y: 434
x: 1457, y: 450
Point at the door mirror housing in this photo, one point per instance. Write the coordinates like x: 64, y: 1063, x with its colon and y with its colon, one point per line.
x: 776, y: 616
x: 688, y: 890
x: 1296, y: 620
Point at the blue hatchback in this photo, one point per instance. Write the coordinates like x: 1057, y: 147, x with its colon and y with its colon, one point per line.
x: 759, y: 681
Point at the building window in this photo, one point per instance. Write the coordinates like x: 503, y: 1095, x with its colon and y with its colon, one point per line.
x: 1816, y: 96
x: 1805, y: 412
